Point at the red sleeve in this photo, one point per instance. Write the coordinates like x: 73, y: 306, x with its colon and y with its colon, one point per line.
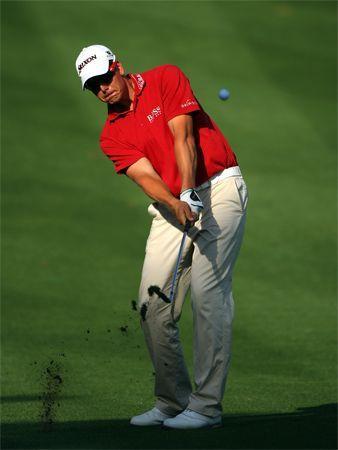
x: 178, y: 98
x: 121, y: 153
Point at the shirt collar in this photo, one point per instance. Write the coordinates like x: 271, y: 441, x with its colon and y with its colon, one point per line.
x: 138, y: 85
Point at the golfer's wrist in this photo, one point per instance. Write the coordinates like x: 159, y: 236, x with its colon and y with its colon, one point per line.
x: 172, y: 202
x: 188, y: 185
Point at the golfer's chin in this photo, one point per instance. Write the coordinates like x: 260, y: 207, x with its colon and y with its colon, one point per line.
x: 113, y: 98
x: 110, y: 99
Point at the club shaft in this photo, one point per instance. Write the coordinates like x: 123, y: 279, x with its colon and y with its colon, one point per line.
x: 173, y: 284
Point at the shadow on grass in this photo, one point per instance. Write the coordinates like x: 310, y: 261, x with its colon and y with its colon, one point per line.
x: 306, y: 428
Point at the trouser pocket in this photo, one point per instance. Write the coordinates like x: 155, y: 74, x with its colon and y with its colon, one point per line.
x: 152, y: 211
x: 242, y: 192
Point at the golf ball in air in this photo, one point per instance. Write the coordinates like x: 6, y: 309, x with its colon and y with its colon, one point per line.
x: 224, y: 94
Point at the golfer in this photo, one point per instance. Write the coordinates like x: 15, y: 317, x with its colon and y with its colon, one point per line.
x: 157, y: 134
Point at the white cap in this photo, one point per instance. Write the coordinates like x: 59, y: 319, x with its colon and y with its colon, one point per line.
x: 93, y: 61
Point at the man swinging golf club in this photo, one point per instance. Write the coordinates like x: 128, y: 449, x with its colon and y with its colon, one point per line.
x: 157, y: 133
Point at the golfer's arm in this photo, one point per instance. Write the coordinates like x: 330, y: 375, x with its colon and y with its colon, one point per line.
x: 143, y: 174
x: 182, y: 129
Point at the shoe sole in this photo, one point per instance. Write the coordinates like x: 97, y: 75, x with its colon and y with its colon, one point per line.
x: 146, y: 424
x: 208, y: 427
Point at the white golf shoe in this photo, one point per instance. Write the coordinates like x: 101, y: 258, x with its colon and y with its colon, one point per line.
x: 189, y: 419
x: 151, y: 417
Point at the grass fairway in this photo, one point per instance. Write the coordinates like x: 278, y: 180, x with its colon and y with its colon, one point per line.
x: 73, y: 232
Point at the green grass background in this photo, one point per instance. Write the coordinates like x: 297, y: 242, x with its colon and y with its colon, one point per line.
x: 73, y: 232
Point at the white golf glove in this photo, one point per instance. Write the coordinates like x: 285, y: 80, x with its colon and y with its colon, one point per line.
x: 191, y: 197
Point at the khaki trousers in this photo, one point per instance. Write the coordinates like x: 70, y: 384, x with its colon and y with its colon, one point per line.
x: 210, y: 252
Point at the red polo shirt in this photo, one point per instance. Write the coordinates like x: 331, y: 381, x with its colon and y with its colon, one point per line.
x: 161, y: 94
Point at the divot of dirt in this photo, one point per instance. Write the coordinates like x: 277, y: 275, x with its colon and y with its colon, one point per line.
x: 133, y: 305
x: 156, y: 290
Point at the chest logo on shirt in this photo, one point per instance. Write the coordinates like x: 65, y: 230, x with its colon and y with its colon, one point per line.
x: 155, y: 112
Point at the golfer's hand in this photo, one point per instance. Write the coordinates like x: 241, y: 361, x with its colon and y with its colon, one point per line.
x: 183, y: 212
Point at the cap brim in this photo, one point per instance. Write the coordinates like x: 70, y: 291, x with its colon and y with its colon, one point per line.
x: 88, y: 72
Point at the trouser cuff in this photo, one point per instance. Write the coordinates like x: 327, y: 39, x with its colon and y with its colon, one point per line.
x: 167, y: 409
x: 206, y: 410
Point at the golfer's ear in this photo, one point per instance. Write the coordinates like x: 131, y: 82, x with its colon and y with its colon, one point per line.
x: 120, y: 67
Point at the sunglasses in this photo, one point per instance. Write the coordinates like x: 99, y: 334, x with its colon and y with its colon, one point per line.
x: 94, y: 83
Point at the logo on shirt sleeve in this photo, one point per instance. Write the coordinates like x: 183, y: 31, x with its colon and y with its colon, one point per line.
x: 154, y: 113
x: 189, y: 102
